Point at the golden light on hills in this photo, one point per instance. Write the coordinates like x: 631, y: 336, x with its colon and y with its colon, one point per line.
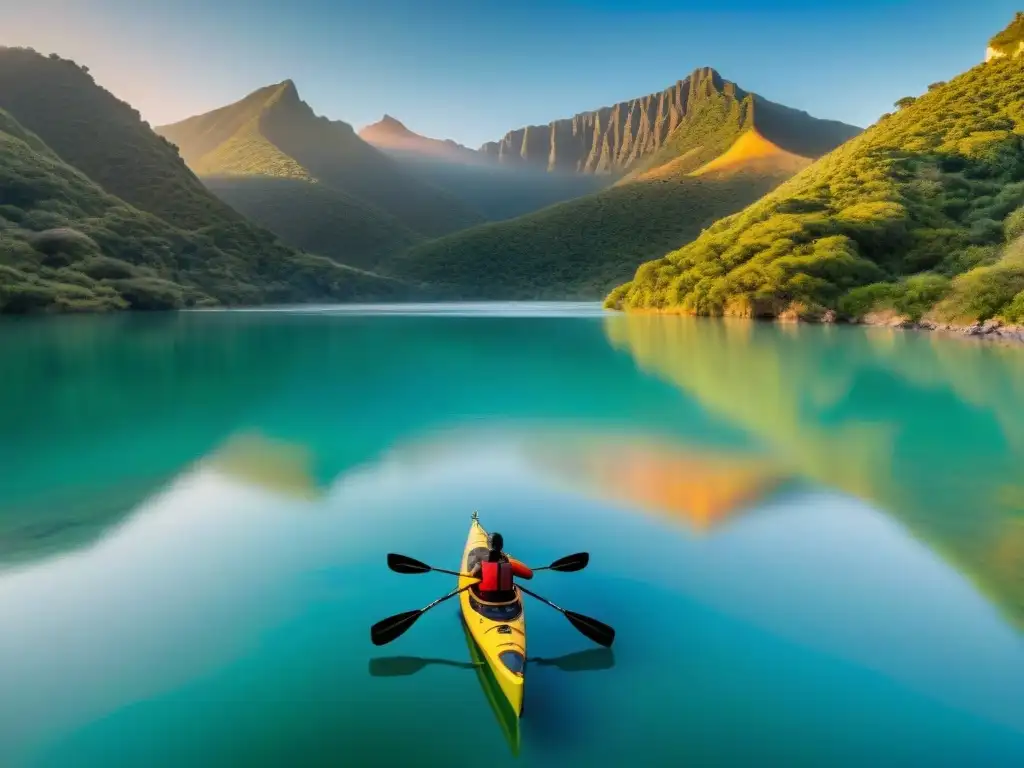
x: 753, y: 151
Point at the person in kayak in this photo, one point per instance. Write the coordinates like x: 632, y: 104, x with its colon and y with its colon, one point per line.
x: 496, y: 573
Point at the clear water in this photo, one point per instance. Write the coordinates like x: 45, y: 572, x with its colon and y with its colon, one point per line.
x: 810, y: 540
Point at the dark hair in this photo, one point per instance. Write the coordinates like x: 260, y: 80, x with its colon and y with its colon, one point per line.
x: 497, y: 541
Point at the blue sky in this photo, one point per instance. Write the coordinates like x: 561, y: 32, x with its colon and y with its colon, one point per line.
x: 472, y: 69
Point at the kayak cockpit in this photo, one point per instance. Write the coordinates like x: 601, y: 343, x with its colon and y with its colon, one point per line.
x: 505, y: 611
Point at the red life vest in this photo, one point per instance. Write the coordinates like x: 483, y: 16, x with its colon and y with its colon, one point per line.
x: 495, y: 577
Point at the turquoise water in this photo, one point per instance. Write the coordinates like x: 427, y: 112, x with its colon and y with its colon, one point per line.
x: 810, y: 540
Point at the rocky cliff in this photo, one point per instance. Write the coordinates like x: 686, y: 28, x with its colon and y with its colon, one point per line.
x: 620, y: 138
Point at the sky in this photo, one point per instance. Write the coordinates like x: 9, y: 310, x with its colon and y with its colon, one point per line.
x: 471, y: 70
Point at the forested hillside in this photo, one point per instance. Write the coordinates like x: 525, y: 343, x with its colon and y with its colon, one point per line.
x: 920, y: 216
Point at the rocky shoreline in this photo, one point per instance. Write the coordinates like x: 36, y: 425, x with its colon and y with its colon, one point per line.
x: 990, y: 330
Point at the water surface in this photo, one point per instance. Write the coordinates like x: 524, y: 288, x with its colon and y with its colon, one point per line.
x: 810, y: 540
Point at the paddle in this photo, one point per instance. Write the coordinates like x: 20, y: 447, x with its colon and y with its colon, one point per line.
x: 568, y: 564
x: 405, y: 564
x: 393, y: 627
x: 597, y: 631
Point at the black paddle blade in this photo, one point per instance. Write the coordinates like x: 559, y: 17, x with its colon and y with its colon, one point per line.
x: 406, y: 564
x: 393, y: 627
x: 571, y: 563
x: 597, y: 631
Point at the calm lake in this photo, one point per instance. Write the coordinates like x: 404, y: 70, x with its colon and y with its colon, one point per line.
x: 809, y: 539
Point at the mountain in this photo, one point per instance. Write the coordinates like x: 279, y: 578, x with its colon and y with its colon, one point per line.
x: 390, y: 135
x: 272, y: 134
x: 493, y: 190
x: 918, y: 218
x: 104, y: 138
x: 644, y: 132
x: 680, y: 159
x: 68, y: 244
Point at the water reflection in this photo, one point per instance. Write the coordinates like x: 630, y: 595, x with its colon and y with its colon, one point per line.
x: 111, y: 410
x: 399, y: 666
x: 580, y: 661
x: 702, y: 488
x: 930, y: 429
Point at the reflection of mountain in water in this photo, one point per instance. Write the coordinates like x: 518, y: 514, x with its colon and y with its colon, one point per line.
x: 929, y: 429
x: 110, y: 409
x: 702, y: 488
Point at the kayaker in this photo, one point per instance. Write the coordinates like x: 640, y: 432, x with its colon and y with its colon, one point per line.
x: 496, y: 572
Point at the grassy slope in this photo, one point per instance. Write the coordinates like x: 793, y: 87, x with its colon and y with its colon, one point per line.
x: 272, y: 133
x: 499, y: 192
x: 104, y: 138
x: 578, y: 248
x: 315, y: 217
x: 67, y: 245
x: 583, y: 247
x: 909, y: 214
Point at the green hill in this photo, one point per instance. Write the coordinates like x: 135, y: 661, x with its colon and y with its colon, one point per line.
x: 273, y: 134
x: 577, y: 249
x: 315, y: 217
x: 104, y: 138
x: 1011, y: 40
x: 68, y: 245
x: 727, y: 148
x: 910, y: 218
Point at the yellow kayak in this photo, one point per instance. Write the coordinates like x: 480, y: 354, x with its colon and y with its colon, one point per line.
x: 507, y: 720
x: 498, y: 629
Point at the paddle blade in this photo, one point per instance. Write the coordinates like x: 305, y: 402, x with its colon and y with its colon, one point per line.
x: 393, y: 627
x: 406, y: 564
x: 597, y: 631
x: 571, y: 563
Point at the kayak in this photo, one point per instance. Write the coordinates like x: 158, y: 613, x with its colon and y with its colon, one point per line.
x: 508, y: 721
x: 498, y: 629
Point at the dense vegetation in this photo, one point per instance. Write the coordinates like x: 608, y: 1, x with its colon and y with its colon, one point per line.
x: 583, y: 247
x: 272, y: 133
x: 914, y: 213
x: 67, y: 245
x: 1010, y: 39
x: 315, y: 218
x: 579, y: 248
x: 104, y: 138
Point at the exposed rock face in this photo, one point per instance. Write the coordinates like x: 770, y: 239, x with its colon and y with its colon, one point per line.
x: 619, y: 138
x: 608, y: 139
x: 993, y: 53
x: 1008, y: 42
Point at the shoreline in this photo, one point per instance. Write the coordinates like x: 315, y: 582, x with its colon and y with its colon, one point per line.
x: 995, y: 331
